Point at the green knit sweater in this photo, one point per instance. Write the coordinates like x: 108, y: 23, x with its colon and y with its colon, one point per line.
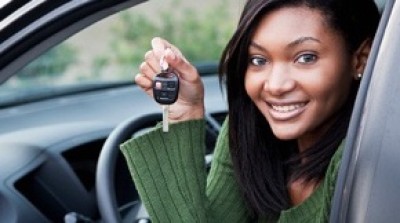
x: 170, y: 175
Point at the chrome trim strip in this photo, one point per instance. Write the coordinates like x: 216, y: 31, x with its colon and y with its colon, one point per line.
x: 20, y: 12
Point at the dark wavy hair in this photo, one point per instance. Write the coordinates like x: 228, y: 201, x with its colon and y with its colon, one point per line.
x: 263, y: 164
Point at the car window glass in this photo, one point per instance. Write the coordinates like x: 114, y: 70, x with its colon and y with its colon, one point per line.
x: 111, y: 50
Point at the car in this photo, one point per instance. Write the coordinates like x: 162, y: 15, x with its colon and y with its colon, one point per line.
x: 67, y: 100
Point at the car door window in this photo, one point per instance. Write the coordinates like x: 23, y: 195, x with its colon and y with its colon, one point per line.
x: 110, y: 51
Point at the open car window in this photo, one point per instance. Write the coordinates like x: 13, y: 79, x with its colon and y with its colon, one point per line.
x: 109, y: 52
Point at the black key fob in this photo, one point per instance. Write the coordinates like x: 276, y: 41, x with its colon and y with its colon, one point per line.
x: 166, y: 87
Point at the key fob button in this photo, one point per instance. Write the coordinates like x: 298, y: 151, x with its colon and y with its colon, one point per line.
x: 158, y: 85
x: 164, y: 94
x: 171, y: 95
x: 171, y: 84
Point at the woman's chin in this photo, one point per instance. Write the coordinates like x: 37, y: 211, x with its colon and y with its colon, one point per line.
x: 285, y: 134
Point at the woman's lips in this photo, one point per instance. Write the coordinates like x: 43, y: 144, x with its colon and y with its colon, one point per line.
x: 284, y: 112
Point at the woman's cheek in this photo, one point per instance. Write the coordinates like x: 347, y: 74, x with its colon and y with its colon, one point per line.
x: 253, y: 83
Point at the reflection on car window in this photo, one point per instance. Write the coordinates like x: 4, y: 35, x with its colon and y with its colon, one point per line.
x: 110, y: 51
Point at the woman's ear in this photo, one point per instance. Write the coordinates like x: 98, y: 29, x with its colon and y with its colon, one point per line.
x: 360, y: 58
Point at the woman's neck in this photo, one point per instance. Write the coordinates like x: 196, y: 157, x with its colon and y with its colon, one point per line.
x: 300, y: 190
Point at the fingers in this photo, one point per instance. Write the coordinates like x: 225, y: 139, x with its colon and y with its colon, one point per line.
x: 172, y: 55
x: 148, y: 69
x: 144, y: 82
x: 190, y: 104
x: 159, y: 45
x: 175, y: 59
x: 151, y: 64
x: 178, y: 62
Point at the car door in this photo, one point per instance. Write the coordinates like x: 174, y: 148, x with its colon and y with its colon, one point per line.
x: 369, y: 178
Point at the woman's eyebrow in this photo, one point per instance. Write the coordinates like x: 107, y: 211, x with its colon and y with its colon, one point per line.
x: 302, y: 40
x: 257, y: 46
x: 290, y: 45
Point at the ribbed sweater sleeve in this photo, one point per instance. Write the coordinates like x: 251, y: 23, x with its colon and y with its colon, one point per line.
x: 225, y: 198
x: 170, y: 175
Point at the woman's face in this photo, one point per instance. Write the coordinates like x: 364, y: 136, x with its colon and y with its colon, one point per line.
x: 299, y: 73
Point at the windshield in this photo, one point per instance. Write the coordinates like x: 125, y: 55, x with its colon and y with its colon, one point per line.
x: 109, y: 52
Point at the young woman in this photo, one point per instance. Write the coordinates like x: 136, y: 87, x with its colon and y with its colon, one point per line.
x: 292, y: 70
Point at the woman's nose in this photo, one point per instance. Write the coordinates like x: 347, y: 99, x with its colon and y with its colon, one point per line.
x: 279, y: 81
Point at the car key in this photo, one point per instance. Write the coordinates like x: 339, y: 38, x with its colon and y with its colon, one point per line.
x: 165, y: 90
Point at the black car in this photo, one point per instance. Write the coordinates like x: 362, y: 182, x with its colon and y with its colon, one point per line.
x: 67, y: 100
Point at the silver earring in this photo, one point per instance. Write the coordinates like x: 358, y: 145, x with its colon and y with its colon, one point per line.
x: 359, y: 76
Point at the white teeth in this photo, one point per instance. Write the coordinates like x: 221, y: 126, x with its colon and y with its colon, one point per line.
x: 287, y: 108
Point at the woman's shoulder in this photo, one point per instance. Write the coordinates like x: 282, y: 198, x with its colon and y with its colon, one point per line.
x: 221, y: 150
x: 332, y: 172
x: 334, y: 164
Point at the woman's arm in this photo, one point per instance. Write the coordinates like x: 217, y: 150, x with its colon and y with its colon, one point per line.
x: 169, y: 172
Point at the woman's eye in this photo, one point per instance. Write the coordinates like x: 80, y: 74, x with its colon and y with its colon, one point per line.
x: 306, y: 58
x: 258, y: 61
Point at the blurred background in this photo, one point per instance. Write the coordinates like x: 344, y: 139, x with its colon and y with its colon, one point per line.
x: 112, y: 49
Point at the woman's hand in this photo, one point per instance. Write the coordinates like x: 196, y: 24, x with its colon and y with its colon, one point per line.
x: 190, y: 102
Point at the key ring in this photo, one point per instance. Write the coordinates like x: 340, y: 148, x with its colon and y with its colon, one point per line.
x: 164, y: 65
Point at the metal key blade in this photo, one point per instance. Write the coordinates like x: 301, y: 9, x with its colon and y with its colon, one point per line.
x: 165, y: 118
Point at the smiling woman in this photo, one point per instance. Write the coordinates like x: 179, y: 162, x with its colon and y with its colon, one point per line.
x: 300, y: 144
x: 295, y: 86
x: 292, y: 73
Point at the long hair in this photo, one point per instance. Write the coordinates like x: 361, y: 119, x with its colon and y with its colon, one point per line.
x: 263, y: 164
